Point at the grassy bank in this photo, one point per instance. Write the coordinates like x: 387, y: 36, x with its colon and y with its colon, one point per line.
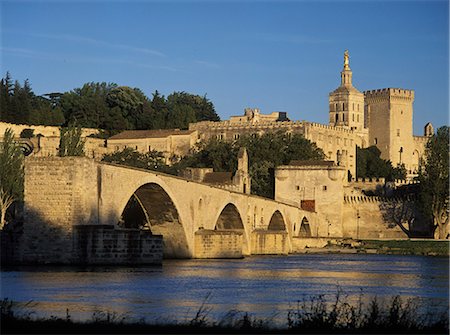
x: 407, y: 247
x: 310, y: 316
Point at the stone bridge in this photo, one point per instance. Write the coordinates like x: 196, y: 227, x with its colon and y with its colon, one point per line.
x: 195, y: 219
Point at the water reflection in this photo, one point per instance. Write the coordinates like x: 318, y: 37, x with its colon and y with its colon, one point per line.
x: 265, y: 286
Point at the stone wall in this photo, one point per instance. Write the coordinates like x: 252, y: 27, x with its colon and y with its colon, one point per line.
x: 323, y: 184
x: 363, y: 219
x: 103, y: 244
x: 218, y: 244
x: 43, y: 130
x: 57, y: 192
x: 266, y: 242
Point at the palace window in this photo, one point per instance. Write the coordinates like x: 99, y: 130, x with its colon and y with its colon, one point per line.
x: 398, y: 132
x: 353, y: 106
x: 353, y: 117
x: 375, y: 141
x: 324, y: 188
x: 357, y: 117
x: 236, y: 136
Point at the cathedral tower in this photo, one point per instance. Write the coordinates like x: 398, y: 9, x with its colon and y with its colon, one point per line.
x: 346, y: 102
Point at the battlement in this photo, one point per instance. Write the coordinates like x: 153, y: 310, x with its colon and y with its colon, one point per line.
x: 227, y: 125
x: 328, y: 127
x: 360, y: 199
x: 420, y: 139
x: 366, y: 181
x: 389, y: 92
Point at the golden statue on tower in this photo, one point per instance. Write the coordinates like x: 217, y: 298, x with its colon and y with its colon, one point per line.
x: 346, y: 60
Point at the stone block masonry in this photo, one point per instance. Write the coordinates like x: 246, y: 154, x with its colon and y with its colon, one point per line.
x: 103, y: 244
x: 57, y: 193
x: 61, y: 219
x: 218, y: 244
x: 266, y: 242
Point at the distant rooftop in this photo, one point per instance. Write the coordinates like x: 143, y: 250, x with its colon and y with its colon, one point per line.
x: 157, y: 133
x: 218, y: 177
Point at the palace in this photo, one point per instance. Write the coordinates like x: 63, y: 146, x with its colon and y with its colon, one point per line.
x: 381, y: 117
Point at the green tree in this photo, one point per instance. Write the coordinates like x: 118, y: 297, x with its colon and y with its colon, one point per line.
x: 153, y: 160
x: 265, y: 153
x: 6, y: 88
x: 71, y: 143
x: 434, y: 183
x: 11, y: 174
x: 369, y: 164
x: 87, y: 105
x: 160, y: 111
x: 203, y: 109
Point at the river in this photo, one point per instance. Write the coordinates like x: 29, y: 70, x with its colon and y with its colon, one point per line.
x: 266, y: 286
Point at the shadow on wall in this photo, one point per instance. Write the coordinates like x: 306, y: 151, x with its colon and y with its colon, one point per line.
x: 37, y: 241
x: 31, y: 240
x: 402, y: 212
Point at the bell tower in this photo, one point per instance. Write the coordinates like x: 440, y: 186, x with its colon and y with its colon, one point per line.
x: 346, y: 103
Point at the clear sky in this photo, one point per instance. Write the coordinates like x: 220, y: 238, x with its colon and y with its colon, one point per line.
x: 274, y: 55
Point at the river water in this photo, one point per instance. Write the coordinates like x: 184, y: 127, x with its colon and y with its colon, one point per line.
x: 266, y: 286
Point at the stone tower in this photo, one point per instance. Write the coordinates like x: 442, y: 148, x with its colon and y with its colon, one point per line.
x: 242, y: 177
x: 389, y: 119
x: 346, y: 102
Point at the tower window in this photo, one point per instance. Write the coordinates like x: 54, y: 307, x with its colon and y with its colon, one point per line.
x: 353, y: 117
x: 353, y: 106
x: 343, y: 106
x: 398, y: 132
x: 357, y: 117
x: 337, y: 117
x: 375, y: 141
x: 343, y: 117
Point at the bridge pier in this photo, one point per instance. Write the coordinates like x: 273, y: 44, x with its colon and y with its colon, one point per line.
x: 218, y: 244
x: 269, y: 242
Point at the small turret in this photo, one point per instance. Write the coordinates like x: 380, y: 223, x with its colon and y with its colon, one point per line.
x: 428, y: 130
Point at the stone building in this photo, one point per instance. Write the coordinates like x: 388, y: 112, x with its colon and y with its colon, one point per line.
x: 381, y: 117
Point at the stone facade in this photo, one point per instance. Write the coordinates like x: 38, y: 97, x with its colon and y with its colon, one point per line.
x: 218, y: 244
x: 104, y: 244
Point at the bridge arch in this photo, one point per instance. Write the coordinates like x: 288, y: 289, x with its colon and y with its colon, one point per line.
x: 151, y: 207
x: 277, y: 221
x: 305, y: 229
x: 229, y: 218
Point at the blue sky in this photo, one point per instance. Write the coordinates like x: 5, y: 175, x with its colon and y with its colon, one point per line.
x: 274, y: 55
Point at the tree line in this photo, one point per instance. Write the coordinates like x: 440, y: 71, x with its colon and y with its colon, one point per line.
x: 103, y: 105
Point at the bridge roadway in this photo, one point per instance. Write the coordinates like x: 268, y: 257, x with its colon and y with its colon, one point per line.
x: 180, y: 209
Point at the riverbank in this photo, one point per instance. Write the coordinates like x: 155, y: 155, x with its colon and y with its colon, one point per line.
x: 418, y: 247
x: 311, y: 316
